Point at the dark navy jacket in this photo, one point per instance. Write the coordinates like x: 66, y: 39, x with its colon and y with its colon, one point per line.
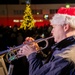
x: 56, y: 65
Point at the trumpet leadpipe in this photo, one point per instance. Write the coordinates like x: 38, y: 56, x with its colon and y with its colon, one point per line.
x: 45, y: 40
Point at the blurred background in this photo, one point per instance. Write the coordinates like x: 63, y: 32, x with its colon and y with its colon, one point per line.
x: 22, y: 18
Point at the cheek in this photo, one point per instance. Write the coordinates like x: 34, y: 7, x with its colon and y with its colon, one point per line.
x: 56, y: 30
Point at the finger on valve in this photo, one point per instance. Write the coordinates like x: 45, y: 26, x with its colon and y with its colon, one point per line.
x: 26, y: 50
x: 20, y: 52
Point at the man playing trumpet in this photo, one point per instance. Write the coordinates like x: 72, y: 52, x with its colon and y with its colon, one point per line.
x: 62, y: 60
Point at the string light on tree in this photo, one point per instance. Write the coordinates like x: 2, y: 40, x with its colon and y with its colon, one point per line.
x: 28, y: 21
x: 67, y: 5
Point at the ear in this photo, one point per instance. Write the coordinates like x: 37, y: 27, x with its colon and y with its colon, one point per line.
x: 66, y: 27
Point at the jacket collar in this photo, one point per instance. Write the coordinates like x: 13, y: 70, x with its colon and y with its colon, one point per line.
x: 64, y: 43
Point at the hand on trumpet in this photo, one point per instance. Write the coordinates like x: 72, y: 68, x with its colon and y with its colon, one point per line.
x: 29, y: 47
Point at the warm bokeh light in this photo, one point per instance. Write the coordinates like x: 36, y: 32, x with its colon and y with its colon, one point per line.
x: 67, y: 5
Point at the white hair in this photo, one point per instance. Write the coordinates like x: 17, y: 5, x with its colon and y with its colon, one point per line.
x: 62, y: 19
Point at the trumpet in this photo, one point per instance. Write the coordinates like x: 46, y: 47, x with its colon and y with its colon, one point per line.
x: 11, y: 53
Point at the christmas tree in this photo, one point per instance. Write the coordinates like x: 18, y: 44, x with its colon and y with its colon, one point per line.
x: 28, y: 21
